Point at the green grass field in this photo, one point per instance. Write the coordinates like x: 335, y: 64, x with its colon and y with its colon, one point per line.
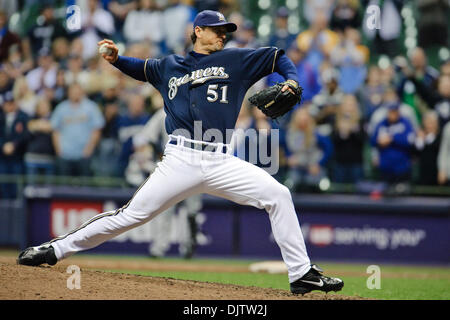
x: 397, y: 282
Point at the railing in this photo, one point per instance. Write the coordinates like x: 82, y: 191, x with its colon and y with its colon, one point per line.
x: 366, y: 187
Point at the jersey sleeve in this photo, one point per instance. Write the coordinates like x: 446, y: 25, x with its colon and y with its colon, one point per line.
x: 258, y: 63
x: 152, y: 72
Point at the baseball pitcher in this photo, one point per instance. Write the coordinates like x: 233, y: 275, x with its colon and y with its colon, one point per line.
x: 206, y: 87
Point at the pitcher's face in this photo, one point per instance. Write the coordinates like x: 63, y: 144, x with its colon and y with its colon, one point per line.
x: 212, y: 38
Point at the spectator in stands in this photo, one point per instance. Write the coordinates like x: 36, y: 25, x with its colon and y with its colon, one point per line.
x: 433, y: 23
x: 25, y: 98
x: 129, y: 124
x: 7, y: 38
x: 17, y: 65
x: 445, y: 68
x: 76, y: 72
x: 381, y: 112
x: 345, y: 15
x: 311, y: 8
x: 9, y: 7
x: 281, y: 37
x: 44, y: 31
x: 13, y: 139
x: 111, y: 91
x: 427, y: 143
x: 394, y: 138
x: 437, y: 100
x: 76, y: 125
x: 60, y: 89
x: 348, y: 140
x: 101, y: 77
x: 144, y: 24
x: 325, y: 103
x: 96, y: 24
x: 410, y: 77
x: 443, y: 156
x: 384, y: 39
x: 215, y: 5
x: 120, y: 10
x: 421, y: 69
x: 6, y: 86
x: 44, y: 75
x: 245, y: 37
x: 307, y: 151
x: 350, y: 57
x: 39, y: 156
x: 176, y: 17
x: 353, y: 36
x: 105, y: 161
x: 389, y: 76
x: 371, y: 93
x: 61, y: 51
x: 238, y: 19
x: 318, y: 41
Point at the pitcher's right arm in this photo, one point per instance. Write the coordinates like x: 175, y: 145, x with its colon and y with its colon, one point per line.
x: 133, y: 67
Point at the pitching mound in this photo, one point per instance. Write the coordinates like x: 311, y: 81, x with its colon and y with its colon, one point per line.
x: 44, y: 282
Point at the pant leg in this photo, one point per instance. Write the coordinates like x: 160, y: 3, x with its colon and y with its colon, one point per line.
x: 173, y: 180
x: 244, y: 183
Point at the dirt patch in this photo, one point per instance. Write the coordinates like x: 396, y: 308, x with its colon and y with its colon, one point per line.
x: 44, y: 282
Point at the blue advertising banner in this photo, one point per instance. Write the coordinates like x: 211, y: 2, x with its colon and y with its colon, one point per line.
x: 355, y: 236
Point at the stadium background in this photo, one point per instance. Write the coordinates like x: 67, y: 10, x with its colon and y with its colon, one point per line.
x: 363, y: 217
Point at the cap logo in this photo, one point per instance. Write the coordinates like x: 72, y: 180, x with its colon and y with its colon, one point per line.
x: 221, y: 17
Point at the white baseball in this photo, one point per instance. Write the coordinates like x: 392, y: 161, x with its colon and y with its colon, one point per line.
x: 104, y: 49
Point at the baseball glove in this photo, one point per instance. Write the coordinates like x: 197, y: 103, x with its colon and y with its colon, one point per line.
x: 275, y: 103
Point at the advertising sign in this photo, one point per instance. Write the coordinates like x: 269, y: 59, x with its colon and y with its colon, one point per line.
x: 241, y: 231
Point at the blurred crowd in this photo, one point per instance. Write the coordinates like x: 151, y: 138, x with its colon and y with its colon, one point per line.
x: 66, y: 112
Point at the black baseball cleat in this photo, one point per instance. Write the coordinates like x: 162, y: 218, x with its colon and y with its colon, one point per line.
x: 314, y: 280
x: 35, y: 256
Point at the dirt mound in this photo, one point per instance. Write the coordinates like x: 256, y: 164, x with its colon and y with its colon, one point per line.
x: 44, y: 282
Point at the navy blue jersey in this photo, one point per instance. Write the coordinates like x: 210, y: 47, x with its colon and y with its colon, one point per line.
x: 208, y: 88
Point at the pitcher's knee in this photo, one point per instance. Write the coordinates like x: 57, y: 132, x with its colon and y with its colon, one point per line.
x: 283, y: 193
x: 278, y: 196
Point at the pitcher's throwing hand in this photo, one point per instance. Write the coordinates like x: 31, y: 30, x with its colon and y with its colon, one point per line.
x: 113, y: 55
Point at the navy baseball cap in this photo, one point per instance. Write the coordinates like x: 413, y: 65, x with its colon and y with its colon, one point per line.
x: 209, y: 18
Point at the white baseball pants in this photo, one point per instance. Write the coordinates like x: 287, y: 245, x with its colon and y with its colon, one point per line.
x: 184, y: 172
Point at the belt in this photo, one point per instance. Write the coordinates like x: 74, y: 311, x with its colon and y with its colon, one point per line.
x: 202, y: 146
